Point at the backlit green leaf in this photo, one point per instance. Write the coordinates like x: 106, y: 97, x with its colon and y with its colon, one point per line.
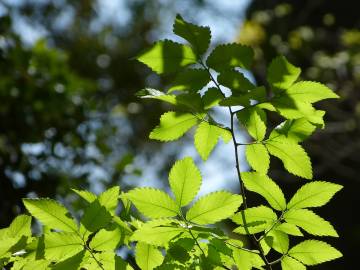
x: 314, y: 194
x: 278, y: 241
x: 173, y: 125
x: 293, y: 156
x: 254, y: 120
x: 288, y: 228
x: 106, y: 239
x: 198, y: 36
x: 246, y: 260
x: 235, y: 81
x: 263, y: 185
x: 310, y: 222
x: 95, y: 216
x: 214, y: 207
x: 281, y: 73
x: 153, y: 203
x: 296, y: 130
x: 288, y: 263
x: 72, y: 263
x: 206, y: 138
x: 185, y: 181
x: 167, y: 56
x: 311, y: 252
x: 258, y: 157
x: 212, y: 97
x: 147, y: 257
x: 86, y: 195
x: 50, y: 213
x: 62, y: 245
x: 191, y: 80
x: 308, y: 91
x: 109, y: 199
x: 158, y: 236
x: 20, y: 226
x: 258, y: 94
x: 229, y: 56
x: 256, y: 219
x: 38, y: 265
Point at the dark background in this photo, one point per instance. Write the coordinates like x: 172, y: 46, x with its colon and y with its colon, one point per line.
x: 69, y: 117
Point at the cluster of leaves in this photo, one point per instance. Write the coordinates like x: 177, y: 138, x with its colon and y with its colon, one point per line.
x: 175, y: 234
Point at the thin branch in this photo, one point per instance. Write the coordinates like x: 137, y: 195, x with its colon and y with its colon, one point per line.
x: 242, y: 187
x: 278, y: 260
x: 195, y: 239
x: 93, y: 256
x: 272, y: 226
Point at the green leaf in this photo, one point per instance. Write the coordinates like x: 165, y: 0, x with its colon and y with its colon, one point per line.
x: 258, y: 94
x: 278, y: 241
x: 191, y: 80
x: 221, y: 246
x: 153, y: 203
x: 254, y: 120
x: 158, y: 236
x: 307, y: 91
x: 72, y: 263
x: 167, y: 56
x: 257, y: 219
x: 173, y: 125
x: 288, y: 228
x: 198, y: 36
x: 228, y: 56
x: 263, y: 185
x: 106, y: 239
x: 293, y: 156
x: 207, y: 136
x: 51, y: 214
x: 293, y: 109
x: 6, y: 245
x: 109, y: 199
x: 212, y: 97
x: 147, y: 257
x: 247, y: 260
x: 282, y: 74
x: 38, y: 265
x: 178, y: 253
x: 235, y: 81
x: 214, y: 207
x: 86, y: 195
x: 311, y: 252
x: 62, y: 245
x: 187, y: 101
x: 314, y: 194
x: 185, y: 181
x: 258, y: 157
x: 21, y: 225
x: 310, y: 222
x: 205, y: 139
x: 108, y: 260
x: 288, y: 263
x: 95, y: 216
x: 294, y: 130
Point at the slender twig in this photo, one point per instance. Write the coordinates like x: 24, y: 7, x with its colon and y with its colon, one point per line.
x: 278, y: 260
x: 86, y: 245
x: 272, y: 226
x: 188, y: 226
x: 93, y: 256
x: 242, y: 187
x: 242, y: 248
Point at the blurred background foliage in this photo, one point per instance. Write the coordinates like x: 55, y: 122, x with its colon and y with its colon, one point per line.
x: 69, y: 117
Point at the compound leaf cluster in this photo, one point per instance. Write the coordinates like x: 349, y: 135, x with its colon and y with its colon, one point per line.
x: 178, y: 229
